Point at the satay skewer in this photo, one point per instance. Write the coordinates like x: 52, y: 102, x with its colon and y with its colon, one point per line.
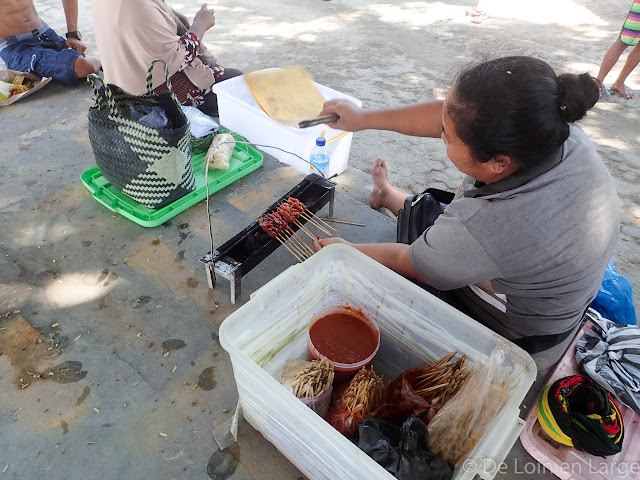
x: 283, y: 236
x: 295, y: 246
x: 290, y: 251
x: 309, y: 212
x: 307, y: 232
x: 311, y: 221
x: 294, y: 236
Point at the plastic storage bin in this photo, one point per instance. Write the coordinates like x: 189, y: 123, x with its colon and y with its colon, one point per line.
x: 415, y: 327
x: 240, y: 113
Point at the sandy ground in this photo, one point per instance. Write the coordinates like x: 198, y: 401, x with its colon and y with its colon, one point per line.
x: 391, y: 53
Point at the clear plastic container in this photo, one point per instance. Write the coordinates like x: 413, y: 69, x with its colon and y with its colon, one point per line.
x: 344, y: 371
x: 415, y: 328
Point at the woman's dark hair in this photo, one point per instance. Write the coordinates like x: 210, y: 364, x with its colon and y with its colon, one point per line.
x: 517, y: 106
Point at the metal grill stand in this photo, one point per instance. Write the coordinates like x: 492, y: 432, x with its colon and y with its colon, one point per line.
x: 239, y: 255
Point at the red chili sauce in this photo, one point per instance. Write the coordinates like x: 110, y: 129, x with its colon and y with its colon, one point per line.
x: 343, y: 338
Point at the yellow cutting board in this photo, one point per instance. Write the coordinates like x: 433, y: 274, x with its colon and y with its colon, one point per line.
x: 287, y: 95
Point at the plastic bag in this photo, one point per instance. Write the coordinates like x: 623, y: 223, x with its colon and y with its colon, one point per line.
x: 220, y: 152
x: 421, y: 392
x: 320, y: 403
x: 200, y: 124
x: 150, y: 116
x: 402, y: 401
x: 402, y: 451
x: 614, y: 300
x: 353, y: 401
x: 462, y: 422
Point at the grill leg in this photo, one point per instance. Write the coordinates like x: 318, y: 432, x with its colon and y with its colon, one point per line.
x: 236, y: 286
x: 332, y: 198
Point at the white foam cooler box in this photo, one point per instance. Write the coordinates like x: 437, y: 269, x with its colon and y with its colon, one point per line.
x: 415, y: 327
x: 240, y: 113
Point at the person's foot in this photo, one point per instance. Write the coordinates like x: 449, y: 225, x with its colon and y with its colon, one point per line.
x: 381, y: 185
x: 622, y: 90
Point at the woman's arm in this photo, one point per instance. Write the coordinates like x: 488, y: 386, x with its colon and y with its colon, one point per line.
x: 392, y: 255
x: 420, y: 119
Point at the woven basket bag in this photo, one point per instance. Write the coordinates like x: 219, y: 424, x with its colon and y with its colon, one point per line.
x: 150, y: 165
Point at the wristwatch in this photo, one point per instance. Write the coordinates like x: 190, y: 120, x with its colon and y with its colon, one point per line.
x: 75, y: 34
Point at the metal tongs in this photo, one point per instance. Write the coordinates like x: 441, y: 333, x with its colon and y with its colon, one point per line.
x: 318, y: 120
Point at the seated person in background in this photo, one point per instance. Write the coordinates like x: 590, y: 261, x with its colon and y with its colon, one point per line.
x: 131, y: 34
x: 27, y: 44
x: 524, y: 245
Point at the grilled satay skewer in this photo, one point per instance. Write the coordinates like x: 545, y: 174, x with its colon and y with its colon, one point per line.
x: 272, y: 227
x: 294, y: 236
x: 309, y: 215
x: 293, y: 245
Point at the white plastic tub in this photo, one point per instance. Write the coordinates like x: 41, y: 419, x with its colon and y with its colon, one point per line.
x: 240, y: 112
x: 415, y: 327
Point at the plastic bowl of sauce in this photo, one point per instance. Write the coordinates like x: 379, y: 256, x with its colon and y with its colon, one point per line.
x: 345, y: 335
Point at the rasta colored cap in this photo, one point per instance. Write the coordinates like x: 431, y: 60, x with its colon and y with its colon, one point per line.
x: 577, y: 412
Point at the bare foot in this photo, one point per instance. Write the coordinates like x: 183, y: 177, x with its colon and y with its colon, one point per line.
x: 623, y: 91
x: 379, y: 174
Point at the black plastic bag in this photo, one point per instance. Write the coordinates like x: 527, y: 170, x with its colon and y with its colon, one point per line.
x: 404, y: 452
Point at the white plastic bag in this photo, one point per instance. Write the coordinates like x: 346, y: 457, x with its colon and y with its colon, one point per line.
x: 220, y: 152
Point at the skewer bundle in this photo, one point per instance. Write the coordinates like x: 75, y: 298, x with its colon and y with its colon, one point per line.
x: 277, y: 225
x: 437, y: 382
x: 314, y: 380
x: 365, y: 392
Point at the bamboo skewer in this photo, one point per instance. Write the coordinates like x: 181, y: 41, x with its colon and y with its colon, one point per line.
x: 321, y: 221
x: 290, y: 251
x: 294, y: 246
x: 294, y: 236
x: 308, y: 214
x: 342, y: 221
x: 310, y: 220
x: 309, y: 234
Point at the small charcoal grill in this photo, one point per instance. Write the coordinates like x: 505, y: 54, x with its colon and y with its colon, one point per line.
x: 242, y: 253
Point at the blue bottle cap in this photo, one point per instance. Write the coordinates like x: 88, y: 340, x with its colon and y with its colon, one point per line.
x: 320, y: 141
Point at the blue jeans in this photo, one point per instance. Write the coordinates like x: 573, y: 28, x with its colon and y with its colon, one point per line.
x: 42, y: 52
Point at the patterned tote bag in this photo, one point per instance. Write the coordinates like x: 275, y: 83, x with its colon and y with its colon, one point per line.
x: 152, y: 165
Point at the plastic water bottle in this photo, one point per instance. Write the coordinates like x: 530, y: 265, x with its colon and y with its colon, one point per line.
x: 320, y: 157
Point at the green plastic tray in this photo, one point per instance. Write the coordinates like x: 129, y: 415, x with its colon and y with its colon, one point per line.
x: 245, y: 159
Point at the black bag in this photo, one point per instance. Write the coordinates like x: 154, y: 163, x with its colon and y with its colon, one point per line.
x: 151, y: 165
x: 419, y: 213
x: 402, y: 451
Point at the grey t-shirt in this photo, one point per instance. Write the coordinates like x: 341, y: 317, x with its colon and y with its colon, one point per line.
x: 542, y: 237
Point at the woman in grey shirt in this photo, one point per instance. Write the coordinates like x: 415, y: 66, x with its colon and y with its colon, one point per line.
x: 524, y: 245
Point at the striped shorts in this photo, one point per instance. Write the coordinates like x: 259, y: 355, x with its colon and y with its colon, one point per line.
x: 630, y: 33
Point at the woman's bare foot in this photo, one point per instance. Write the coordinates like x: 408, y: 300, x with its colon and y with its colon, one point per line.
x: 622, y: 90
x: 379, y: 174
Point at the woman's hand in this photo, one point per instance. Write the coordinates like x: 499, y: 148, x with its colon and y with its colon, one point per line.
x: 319, y: 243
x: 351, y: 116
x: 203, y: 21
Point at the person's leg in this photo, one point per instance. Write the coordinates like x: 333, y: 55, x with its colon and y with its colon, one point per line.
x: 632, y: 62
x: 610, y: 59
x: 383, y: 194
x: 85, y: 66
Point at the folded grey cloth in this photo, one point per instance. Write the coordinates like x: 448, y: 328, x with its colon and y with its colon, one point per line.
x: 610, y: 355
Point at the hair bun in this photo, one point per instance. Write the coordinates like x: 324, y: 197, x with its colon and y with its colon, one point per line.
x: 576, y: 95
